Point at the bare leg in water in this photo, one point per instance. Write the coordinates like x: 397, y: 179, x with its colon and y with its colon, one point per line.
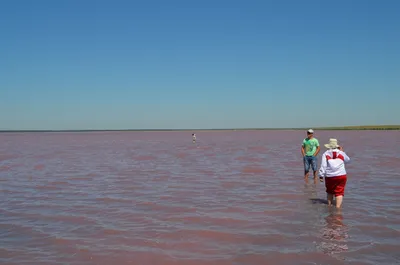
x: 330, y: 199
x: 315, y: 177
x: 339, y: 201
x: 306, y: 176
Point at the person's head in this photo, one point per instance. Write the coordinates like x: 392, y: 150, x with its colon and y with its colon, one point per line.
x: 310, y: 133
x: 333, y: 144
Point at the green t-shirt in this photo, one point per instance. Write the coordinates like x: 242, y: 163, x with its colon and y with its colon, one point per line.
x: 310, y: 146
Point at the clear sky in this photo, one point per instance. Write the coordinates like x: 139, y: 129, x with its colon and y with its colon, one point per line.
x: 95, y: 64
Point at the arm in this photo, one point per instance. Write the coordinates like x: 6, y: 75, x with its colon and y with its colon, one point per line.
x: 346, y: 157
x: 302, y: 149
x: 317, y: 151
x: 318, y: 148
x: 322, y: 169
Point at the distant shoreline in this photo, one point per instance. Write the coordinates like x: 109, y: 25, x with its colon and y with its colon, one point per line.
x: 344, y: 128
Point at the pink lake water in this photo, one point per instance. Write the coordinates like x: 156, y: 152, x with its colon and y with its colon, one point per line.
x: 155, y: 198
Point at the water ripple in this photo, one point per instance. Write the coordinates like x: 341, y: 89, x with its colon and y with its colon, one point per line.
x: 156, y: 198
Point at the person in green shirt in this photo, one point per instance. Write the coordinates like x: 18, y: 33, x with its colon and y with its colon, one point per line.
x: 310, y: 149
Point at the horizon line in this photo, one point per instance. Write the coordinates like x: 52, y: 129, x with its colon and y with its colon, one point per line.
x: 352, y: 127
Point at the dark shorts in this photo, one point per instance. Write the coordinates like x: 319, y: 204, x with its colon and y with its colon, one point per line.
x: 310, y: 160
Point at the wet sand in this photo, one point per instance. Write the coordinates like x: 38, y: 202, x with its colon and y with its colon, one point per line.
x: 236, y: 197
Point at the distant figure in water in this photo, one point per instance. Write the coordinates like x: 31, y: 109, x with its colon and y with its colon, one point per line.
x: 334, y: 170
x: 194, y: 138
x: 310, y: 149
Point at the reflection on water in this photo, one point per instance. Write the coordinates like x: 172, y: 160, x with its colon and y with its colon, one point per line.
x: 156, y: 198
x: 335, y: 233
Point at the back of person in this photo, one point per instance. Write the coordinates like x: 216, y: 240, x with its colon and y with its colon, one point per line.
x: 334, y: 170
x: 335, y: 162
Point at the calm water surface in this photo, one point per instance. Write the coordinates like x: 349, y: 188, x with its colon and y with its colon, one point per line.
x: 155, y: 198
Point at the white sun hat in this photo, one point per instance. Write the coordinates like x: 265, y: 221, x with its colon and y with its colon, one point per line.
x: 333, y: 143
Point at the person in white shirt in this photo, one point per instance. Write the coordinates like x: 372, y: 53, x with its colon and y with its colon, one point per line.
x: 194, y: 138
x: 334, y: 171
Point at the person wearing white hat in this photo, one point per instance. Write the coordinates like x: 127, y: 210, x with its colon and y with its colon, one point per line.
x: 334, y: 171
x: 310, y: 149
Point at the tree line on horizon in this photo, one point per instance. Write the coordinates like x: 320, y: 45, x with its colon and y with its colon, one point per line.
x: 370, y: 127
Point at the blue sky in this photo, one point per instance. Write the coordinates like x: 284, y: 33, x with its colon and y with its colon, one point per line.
x: 98, y: 64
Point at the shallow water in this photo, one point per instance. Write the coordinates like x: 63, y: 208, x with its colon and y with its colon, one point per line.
x: 155, y: 198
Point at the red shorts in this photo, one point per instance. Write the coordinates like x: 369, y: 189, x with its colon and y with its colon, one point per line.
x: 336, y: 185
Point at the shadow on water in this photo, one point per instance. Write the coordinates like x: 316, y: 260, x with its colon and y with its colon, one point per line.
x: 318, y: 201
